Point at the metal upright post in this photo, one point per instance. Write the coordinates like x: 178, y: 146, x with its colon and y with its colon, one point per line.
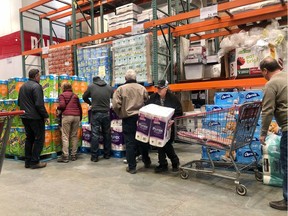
x: 80, y: 29
x: 50, y: 32
x: 41, y: 46
x: 22, y: 44
x: 154, y: 44
x: 178, y: 60
x: 74, y: 37
x: 102, y: 19
x: 92, y: 17
x: 170, y: 44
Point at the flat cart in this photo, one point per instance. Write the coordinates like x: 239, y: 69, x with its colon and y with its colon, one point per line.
x: 5, y: 126
x: 226, y: 129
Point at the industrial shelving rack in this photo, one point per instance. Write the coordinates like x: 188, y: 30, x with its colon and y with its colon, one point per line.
x: 221, y: 23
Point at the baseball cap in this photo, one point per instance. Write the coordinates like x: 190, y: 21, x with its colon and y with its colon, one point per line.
x: 162, y: 84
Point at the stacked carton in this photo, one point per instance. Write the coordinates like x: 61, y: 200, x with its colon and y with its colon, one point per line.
x: 132, y: 53
x: 60, y: 60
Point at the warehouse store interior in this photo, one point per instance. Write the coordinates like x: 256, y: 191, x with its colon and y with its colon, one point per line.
x: 206, y: 53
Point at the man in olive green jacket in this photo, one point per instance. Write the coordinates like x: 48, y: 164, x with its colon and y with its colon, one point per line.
x: 275, y: 104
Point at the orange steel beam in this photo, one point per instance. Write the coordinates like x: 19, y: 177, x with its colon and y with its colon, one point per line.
x: 233, y: 23
x: 213, y: 35
x: 252, y: 13
x: 196, y: 13
x: 82, y: 40
x: 36, y: 4
x: 249, y: 82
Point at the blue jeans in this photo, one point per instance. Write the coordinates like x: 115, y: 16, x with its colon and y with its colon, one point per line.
x: 283, y: 160
x: 129, y: 131
x: 100, y: 124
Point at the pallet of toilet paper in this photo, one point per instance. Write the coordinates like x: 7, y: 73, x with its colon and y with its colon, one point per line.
x: 152, y: 125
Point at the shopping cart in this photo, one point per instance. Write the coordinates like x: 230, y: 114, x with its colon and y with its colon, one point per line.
x: 5, y: 125
x: 226, y: 129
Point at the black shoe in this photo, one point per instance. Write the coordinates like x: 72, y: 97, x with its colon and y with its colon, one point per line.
x: 38, y: 165
x: 280, y: 205
x: 131, y: 171
x: 94, y: 159
x: 175, y: 167
x: 161, y: 168
x: 27, y: 165
x: 147, y: 164
x: 106, y: 157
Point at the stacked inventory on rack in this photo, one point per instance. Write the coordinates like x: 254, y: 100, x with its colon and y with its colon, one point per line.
x: 132, y: 53
x: 95, y: 61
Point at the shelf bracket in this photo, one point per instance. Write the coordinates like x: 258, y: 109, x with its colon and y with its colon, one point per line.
x: 230, y: 14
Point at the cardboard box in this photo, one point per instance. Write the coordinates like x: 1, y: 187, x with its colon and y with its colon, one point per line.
x: 243, y: 62
x: 187, y: 105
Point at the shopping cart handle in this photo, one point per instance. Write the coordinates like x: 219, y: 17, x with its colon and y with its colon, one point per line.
x: 12, y: 113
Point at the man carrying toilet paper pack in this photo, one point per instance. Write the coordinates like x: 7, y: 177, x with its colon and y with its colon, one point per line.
x: 164, y: 97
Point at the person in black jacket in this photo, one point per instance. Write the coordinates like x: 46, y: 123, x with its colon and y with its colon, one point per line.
x: 31, y: 100
x: 164, y: 97
x: 100, y: 93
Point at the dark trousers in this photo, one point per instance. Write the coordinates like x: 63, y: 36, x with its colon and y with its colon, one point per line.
x: 129, y: 130
x: 35, y: 137
x: 168, y: 150
x: 100, y: 124
x: 283, y: 160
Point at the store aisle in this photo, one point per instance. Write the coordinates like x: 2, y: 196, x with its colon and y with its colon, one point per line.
x: 105, y: 188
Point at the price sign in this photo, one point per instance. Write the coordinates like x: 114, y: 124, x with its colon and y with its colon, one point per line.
x: 101, y: 71
x: 208, y: 12
x: 45, y: 50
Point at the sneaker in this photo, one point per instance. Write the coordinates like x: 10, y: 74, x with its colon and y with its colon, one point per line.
x: 161, y: 168
x: 125, y: 161
x: 131, y: 171
x: 280, y: 205
x: 38, y: 165
x: 63, y: 159
x: 175, y: 167
x: 94, y: 159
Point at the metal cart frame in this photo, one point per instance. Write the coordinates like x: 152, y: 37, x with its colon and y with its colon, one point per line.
x: 194, y: 129
x: 5, y: 126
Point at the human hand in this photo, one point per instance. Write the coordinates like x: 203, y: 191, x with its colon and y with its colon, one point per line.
x: 47, y: 121
x: 170, y: 123
x: 262, y: 140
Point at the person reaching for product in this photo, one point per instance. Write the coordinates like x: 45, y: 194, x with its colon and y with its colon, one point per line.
x: 164, y: 97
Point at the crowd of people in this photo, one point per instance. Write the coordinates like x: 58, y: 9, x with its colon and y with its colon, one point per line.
x: 126, y: 102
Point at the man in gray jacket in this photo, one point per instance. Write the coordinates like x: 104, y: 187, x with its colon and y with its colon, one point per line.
x: 31, y: 100
x: 275, y: 104
x: 100, y: 93
x: 127, y: 100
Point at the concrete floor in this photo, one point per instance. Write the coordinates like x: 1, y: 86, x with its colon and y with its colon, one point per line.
x: 105, y: 188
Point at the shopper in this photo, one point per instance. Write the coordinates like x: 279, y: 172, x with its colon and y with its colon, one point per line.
x: 71, y: 111
x: 127, y: 100
x: 275, y: 104
x: 164, y: 97
x: 100, y: 93
x: 31, y: 100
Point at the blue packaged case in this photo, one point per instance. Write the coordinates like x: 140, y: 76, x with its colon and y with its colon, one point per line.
x: 226, y: 98
x: 248, y: 96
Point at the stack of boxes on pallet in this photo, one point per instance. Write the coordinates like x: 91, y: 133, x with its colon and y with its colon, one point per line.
x: 225, y: 100
x: 126, y: 15
x: 132, y: 53
x: 95, y: 61
x: 60, y: 60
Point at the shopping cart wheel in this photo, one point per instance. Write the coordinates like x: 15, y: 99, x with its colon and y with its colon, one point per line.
x: 241, y: 190
x: 259, y: 176
x: 184, y: 174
